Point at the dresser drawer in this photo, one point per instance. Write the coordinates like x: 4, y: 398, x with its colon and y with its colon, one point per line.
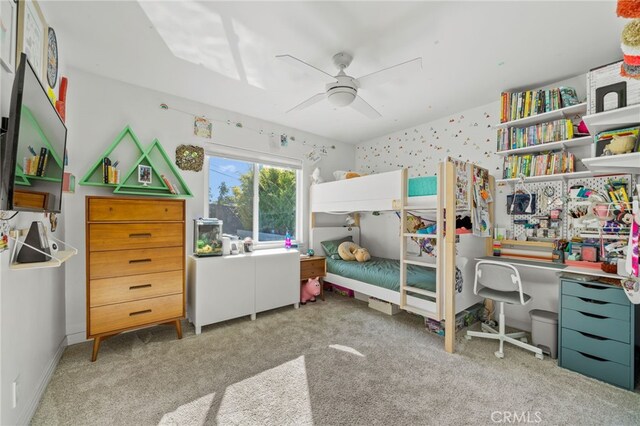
x: 111, y: 236
x: 134, y: 209
x: 605, y: 309
x: 117, y: 317
x: 602, y: 327
x: 106, y: 264
x: 608, y: 371
x: 610, y: 350
x: 312, y: 269
x: 595, y: 292
x: 107, y: 291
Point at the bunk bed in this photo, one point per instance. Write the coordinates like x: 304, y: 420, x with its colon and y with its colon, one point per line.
x: 419, y: 284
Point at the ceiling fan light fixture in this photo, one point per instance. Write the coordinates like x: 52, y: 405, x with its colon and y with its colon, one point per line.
x: 341, y: 96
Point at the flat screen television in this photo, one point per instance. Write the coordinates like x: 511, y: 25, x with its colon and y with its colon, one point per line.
x: 33, y: 148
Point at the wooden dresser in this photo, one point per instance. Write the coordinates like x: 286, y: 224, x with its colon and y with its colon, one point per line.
x: 135, y: 262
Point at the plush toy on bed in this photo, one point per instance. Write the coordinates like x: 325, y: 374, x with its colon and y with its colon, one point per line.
x: 309, y: 290
x: 350, y: 251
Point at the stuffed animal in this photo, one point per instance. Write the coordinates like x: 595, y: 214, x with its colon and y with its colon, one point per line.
x: 347, y: 250
x: 315, y: 176
x: 362, y: 255
x: 620, y: 145
x: 309, y: 290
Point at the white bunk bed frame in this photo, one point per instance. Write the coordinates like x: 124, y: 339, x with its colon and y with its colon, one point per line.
x: 388, y: 191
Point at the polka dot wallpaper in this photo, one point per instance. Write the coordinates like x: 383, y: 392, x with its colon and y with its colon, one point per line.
x: 467, y: 136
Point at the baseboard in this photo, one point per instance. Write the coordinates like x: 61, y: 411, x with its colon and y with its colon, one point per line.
x: 75, y: 338
x: 27, y: 414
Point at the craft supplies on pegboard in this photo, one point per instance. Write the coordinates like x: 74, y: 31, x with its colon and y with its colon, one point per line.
x: 547, y: 217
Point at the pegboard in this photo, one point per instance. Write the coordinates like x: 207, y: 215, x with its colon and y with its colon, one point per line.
x: 561, y: 191
x: 597, y: 184
x: 543, y: 206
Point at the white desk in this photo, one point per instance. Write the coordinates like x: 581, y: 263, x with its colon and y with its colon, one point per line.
x: 548, y: 266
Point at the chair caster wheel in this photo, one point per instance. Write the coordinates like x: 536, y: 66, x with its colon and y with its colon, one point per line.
x: 499, y: 354
x: 524, y: 340
x: 467, y: 337
x: 540, y: 356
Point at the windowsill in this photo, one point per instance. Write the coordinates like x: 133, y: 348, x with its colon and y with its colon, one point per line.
x: 275, y: 244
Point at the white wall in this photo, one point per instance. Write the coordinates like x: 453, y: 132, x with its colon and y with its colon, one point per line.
x: 32, y: 316
x: 99, y: 108
x: 467, y: 135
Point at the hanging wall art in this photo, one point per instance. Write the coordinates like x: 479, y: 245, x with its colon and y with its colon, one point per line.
x: 190, y: 157
x: 202, y: 127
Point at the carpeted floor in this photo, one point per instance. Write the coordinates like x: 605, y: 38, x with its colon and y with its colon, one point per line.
x: 328, y: 363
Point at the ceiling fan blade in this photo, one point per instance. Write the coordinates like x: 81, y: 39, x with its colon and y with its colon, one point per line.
x: 391, y: 73
x: 302, y: 65
x: 364, y: 108
x: 312, y: 100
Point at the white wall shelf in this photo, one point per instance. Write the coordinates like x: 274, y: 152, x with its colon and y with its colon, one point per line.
x: 55, y: 259
x: 622, y: 163
x: 614, y: 119
x: 58, y: 259
x: 545, y: 116
x: 549, y: 146
x: 549, y: 178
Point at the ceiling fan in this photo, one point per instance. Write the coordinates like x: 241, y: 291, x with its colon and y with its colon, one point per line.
x: 343, y: 89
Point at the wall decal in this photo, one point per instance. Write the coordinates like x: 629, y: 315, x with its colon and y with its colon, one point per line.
x: 202, y: 127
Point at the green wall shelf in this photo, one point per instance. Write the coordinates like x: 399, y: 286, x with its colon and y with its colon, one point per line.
x: 154, y: 156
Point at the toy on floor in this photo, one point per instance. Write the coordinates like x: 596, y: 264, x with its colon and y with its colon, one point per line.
x: 309, y: 290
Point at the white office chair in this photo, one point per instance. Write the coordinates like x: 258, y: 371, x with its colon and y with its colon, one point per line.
x: 501, y: 282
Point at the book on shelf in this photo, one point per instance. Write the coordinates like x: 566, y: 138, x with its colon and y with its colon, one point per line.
x: 542, y: 164
x: 36, y: 165
x: 170, y: 186
x: 538, y: 134
x: 516, y: 105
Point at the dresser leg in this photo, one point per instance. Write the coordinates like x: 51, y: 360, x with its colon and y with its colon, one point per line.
x: 96, y: 347
x: 178, y: 329
x: 198, y: 329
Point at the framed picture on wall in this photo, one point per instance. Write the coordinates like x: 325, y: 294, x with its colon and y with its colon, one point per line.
x: 32, y: 35
x: 8, y: 11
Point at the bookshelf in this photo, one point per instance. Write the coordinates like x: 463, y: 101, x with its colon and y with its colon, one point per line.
x: 615, y: 119
x: 557, y: 114
x: 549, y: 146
x: 127, y: 146
x: 549, y: 178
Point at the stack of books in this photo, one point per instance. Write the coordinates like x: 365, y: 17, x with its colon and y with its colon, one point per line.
x: 110, y: 174
x: 36, y: 165
x: 520, y: 137
x: 173, y: 188
x: 532, y: 102
x: 538, y: 165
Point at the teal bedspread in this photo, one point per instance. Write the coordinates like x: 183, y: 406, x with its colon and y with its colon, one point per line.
x: 423, y: 185
x: 383, y: 273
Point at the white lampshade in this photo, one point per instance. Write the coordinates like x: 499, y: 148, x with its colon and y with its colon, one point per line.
x: 341, y: 98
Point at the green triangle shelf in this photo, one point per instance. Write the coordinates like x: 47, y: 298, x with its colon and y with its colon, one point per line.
x: 130, y: 186
x: 50, y: 174
x: 94, y: 176
x: 21, y: 179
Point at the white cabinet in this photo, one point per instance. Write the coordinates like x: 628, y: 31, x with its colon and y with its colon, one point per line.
x: 225, y: 287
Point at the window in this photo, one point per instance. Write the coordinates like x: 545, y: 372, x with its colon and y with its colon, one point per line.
x: 256, y: 200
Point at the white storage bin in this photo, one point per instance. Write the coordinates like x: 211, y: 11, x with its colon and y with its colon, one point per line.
x: 384, y: 307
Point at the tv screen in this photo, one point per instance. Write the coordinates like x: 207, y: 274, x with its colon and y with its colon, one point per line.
x: 34, y: 147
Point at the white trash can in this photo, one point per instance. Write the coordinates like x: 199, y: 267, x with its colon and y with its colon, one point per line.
x: 544, y: 331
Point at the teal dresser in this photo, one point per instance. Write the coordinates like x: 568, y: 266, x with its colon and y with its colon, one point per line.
x: 598, y: 332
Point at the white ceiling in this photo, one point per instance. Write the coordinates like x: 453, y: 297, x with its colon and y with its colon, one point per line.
x: 471, y: 52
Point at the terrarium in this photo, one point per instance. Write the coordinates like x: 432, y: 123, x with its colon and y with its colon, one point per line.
x: 207, y: 237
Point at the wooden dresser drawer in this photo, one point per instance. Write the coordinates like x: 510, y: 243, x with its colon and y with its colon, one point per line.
x: 312, y: 268
x: 135, y: 209
x: 610, y: 328
x: 610, y: 350
x: 595, y: 292
x: 108, y: 291
x: 105, y: 319
x: 106, y: 264
x: 122, y: 236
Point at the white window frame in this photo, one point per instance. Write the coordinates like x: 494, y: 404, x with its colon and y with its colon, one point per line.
x: 258, y: 158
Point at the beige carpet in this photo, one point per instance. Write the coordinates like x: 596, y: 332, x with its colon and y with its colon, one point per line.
x: 328, y: 363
